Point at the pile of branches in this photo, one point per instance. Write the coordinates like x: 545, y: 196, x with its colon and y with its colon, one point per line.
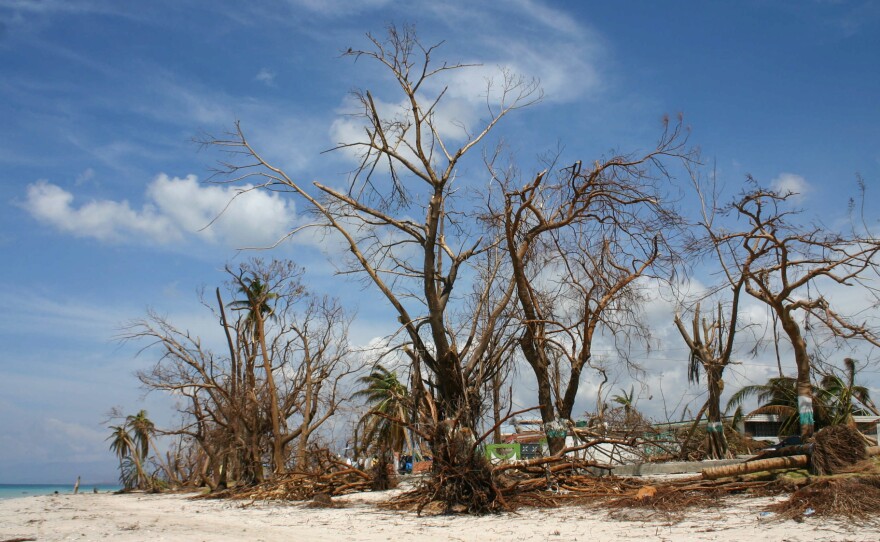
x: 836, y: 448
x: 669, y: 502
x: 833, y: 476
x: 853, y: 498
x: 464, y: 482
x: 833, y: 449
x: 846, y: 488
x: 303, y: 486
x: 852, y: 493
x: 566, y: 479
x: 696, y: 446
x: 557, y: 480
x: 550, y: 481
x: 571, y: 487
x: 326, y: 476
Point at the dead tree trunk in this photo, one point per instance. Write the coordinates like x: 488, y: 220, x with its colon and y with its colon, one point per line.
x: 710, y: 350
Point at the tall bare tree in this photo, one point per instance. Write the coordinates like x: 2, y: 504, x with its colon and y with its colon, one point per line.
x: 407, y: 233
x: 578, y: 244
x: 785, y: 265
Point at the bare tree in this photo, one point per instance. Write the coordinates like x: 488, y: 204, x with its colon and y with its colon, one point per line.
x: 711, y: 344
x: 784, y: 265
x: 407, y: 233
x: 577, y: 247
x: 319, y: 345
x: 228, y: 407
x: 213, y: 417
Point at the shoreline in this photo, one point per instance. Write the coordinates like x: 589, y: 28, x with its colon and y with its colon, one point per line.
x: 139, y: 516
x: 18, y: 491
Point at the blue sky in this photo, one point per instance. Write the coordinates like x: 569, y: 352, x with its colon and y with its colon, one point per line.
x: 102, y: 192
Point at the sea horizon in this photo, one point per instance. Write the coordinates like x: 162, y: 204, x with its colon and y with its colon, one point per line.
x: 15, y: 491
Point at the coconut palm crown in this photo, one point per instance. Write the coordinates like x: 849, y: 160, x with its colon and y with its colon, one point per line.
x: 389, y: 401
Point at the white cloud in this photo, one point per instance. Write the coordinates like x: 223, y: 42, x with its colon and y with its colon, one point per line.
x: 548, y: 16
x: 787, y: 183
x: 540, y: 41
x: 51, y: 439
x: 177, y: 209
x: 283, y: 130
x: 184, y: 101
x: 566, y: 71
x: 266, y: 76
x: 80, y: 438
x: 254, y: 218
x: 103, y: 220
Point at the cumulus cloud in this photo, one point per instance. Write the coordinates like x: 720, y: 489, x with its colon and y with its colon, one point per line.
x: 253, y: 218
x: 104, y: 220
x: 177, y: 209
x: 791, y: 183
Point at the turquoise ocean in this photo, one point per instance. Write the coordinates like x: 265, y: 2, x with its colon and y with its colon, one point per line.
x: 15, y: 491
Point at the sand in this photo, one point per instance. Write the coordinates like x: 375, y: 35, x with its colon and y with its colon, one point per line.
x: 177, y: 517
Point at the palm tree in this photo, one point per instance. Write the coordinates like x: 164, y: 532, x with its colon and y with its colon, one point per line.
x: 129, y: 475
x: 844, y: 397
x: 779, y: 397
x: 122, y: 444
x: 626, y: 400
x: 142, y: 429
x: 257, y: 298
x: 390, y: 405
x: 131, y: 443
x: 257, y: 302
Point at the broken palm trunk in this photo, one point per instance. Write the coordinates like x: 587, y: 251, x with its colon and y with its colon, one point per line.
x: 833, y: 448
x: 775, y: 463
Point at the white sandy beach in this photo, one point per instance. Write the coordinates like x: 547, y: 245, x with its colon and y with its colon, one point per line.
x: 177, y: 517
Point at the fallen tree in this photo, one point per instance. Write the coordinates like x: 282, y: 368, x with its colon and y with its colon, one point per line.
x: 834, y: 448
